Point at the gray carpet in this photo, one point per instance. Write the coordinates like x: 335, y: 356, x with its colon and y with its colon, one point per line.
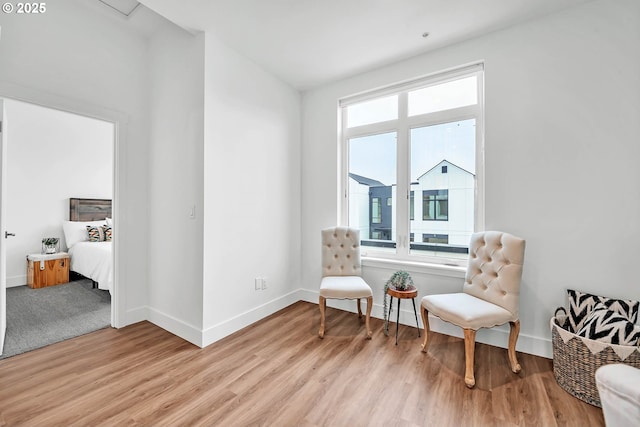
x: 39, y: 317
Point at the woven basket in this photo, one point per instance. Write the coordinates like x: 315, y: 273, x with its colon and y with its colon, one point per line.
x: 575, y: 365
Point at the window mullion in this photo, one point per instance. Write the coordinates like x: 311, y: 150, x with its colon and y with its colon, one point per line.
x: 403, y: 176
x: 479, y: 190
x: 343, y: 173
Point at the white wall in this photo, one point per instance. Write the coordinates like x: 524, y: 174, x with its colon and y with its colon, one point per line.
x: 562, y: 105
x: 51, y: 156
x: 251, y: 192
x: 79, y: 58
x: 244, y: 179
x: 176, y: 181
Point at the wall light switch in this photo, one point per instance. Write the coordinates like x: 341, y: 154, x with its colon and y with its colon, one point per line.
x: 192, y: 212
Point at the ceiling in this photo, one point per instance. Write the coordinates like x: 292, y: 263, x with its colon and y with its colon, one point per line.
x: 310, y: 42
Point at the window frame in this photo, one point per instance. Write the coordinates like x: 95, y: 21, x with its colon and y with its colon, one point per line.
x: 403, y: 126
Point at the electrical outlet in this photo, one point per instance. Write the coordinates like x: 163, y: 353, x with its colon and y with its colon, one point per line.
x: 258, y: 283
x: 264, y: 283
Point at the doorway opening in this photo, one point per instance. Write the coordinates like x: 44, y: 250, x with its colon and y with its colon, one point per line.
x: 64, y: 289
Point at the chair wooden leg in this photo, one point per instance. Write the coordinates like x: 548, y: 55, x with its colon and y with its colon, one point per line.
x: 323, y: 305
x: 369, y: 306
x: 469, y: 352
x: 513, y: 338
x: 425, y: 322
x: 359, y: 309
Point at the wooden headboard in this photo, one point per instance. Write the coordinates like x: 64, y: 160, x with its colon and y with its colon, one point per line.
x: 89, y: 209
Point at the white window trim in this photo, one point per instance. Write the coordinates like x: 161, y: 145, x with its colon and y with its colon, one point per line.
x: 414, y: 266
x: 402, y: 126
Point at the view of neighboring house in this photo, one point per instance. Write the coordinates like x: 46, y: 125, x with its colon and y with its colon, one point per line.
x: 371, y: 207
x: 441, y: 220
x: 444, y: 212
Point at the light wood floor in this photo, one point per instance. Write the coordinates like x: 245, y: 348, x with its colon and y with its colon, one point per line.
x: 278, y: 373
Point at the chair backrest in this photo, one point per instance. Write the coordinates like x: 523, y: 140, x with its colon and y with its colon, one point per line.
x: 495, y: 269
x: 341, y: 252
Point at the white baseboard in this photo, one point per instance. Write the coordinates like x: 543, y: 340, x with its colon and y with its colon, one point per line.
x: 497, y: 337
x: 175, y: 326
x: 168, y: 323
x: 214, y: 333
x: 227, y: 327
x: 135, y: 315
x: 14, y: 281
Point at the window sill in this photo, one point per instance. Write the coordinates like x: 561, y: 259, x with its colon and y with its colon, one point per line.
x: 414, y: 266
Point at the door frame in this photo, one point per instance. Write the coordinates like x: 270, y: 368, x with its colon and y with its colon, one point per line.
x: 120, y: 121
x: 3, y: 229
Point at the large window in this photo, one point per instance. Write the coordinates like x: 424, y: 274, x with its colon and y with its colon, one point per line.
x: 418, y: 140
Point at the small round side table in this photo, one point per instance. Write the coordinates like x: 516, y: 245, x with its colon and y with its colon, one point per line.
x: 410, y: 292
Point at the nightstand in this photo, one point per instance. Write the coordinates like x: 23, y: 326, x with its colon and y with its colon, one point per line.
x: 47, y: 269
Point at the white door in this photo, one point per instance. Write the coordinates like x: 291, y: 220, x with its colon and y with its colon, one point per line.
x: 3, y: 229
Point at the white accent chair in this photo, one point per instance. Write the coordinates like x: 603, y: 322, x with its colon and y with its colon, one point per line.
x: 619, y: 394
x: 341, y: 271
x: 490, y: 295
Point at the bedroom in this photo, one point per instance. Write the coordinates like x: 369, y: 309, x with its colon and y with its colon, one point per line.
x: 53, y: 156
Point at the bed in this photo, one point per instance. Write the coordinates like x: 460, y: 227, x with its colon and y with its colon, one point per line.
x: 91, y: 259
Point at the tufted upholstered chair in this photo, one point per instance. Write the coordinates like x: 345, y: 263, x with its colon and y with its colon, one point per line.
x: 341, y: 272
x: 489, y: 297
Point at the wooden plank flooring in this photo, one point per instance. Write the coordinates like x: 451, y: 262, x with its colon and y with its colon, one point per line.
x: 279, y: 373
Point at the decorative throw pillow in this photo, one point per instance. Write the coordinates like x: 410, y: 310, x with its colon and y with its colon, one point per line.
x: 96, y: 234
x: 581, y: 304
x: 627, y: 308
x: 107, y: 232
x: 609, y: 326
x: 76, y: 231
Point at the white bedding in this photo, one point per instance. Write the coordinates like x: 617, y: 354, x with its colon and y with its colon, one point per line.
x: 93, y: 260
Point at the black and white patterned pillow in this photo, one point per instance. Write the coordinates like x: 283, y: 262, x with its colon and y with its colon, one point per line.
x: 581, y: 304
x: 106, y: 229
x: 96, y: 234
x: 609, y: 326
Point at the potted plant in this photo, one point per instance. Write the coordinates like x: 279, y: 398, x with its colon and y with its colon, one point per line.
x: 50, y: 245
x: 400, y: 280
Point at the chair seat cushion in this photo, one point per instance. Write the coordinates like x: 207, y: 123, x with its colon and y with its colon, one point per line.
x: 618, y: 388
x: 466, y: 311
x: 344, y: 287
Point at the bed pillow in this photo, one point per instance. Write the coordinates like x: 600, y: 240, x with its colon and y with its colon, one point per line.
x: 76, y: 231
x: 581, y: 304
x: 609, y: 326
x: 106, y: 229
x: 96, y: 233
x: 109, y: 222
